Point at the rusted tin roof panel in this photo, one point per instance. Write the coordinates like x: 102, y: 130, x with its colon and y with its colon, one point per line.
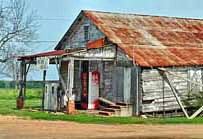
x: 96, y: 43
x: 151, y: 40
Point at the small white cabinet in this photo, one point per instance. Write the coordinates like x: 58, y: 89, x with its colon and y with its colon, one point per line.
x: 50, y: 96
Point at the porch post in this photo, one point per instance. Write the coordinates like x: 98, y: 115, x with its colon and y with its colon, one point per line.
x: 70, y: 83
x: 136, y: 90
x: 20, y: 99
x: 70, y: 77
x: 43, y: 91
x: 24, y: 79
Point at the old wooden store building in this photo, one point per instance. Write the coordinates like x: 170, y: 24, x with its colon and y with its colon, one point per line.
x: 149, y: 63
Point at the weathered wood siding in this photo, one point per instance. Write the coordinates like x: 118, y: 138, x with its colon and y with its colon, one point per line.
x: 118, y: 84
x: 76, y: 38
x: 156, y: 93
x: 105, y: 69
x: 77, y: 83
x: 122, y: 59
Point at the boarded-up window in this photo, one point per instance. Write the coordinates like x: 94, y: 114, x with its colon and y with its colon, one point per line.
x: 86, y: 32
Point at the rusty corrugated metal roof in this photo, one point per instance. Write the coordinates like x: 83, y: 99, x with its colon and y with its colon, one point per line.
x: 153, y: 41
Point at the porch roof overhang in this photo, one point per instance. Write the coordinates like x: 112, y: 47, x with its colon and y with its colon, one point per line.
x: 104, y: 54
x: 43, y: 54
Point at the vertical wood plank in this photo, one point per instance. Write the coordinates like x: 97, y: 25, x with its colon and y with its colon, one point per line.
x: 127, y: 84
x: 118, y: 84
x: 133, y: 88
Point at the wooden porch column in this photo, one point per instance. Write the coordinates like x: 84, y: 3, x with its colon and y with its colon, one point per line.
x: 24, y: 79
x: 21, y: 96
x: 43, y: 91
x: 70, y: 83
x: 70, y: 77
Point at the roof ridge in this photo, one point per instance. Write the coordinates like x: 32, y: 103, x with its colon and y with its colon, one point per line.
x: 163, y: 16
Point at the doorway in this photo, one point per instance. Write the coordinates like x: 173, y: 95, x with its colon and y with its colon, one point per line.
x: 90, y: 87
x: 85, y: 80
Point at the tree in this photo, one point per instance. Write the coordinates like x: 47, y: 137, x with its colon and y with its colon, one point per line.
x: 18, y: 26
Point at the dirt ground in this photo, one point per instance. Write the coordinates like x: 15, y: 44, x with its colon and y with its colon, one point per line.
x: 16, y: 128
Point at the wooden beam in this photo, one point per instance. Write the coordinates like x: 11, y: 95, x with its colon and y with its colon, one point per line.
x: 61, y: 78
x: 24, y: 80
x: 138, y: 91
x: 175, y: 91
x: 21, y: 80
x: 88, y: 58
x: 20, y: 99
x: 196, y: 113
x: 165, y: 70
x: 43, y: 92
x: 163, y: 87
x: 106, y: 101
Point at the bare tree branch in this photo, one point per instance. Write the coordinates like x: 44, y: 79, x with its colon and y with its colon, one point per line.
x: 17, y: 24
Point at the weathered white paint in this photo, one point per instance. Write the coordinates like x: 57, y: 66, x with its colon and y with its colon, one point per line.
x: 107, y: 52
x: 127, y: 84
x: 50, y: 99
x: 70, y: 78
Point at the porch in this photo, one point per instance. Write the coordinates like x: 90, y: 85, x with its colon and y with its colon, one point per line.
x: 85, y: 75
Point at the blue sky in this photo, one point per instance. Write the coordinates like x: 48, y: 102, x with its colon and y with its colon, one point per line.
x: 57, y: 15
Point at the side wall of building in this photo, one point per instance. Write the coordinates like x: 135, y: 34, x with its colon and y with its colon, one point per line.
x: 156, y: 93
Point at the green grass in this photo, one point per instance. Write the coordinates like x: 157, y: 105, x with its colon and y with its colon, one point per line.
x: 8, y: 107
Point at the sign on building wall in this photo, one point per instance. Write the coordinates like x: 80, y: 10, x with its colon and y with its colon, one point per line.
x: 42, y: 63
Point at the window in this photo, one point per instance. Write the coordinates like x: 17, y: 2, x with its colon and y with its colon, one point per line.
x: 86, y: 32
x: 52, y: 89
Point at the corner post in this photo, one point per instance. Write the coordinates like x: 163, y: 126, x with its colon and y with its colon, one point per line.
x: 138, y: 91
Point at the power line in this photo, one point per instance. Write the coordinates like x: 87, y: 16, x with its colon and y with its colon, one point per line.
x: 40, y: 41
x: 54, y: 19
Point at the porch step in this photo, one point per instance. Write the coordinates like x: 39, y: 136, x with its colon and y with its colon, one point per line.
x: 122, y: 104
x: 116, y: 106
x: 105, y: 113
x: 110, y: 109
x: 116, y: 112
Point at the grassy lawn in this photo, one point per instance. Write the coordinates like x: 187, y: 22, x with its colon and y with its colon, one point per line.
x: 8, y: 107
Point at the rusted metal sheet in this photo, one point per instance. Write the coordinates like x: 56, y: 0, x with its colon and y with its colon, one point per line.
x: 96, y: 43
x: 153, y: 41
